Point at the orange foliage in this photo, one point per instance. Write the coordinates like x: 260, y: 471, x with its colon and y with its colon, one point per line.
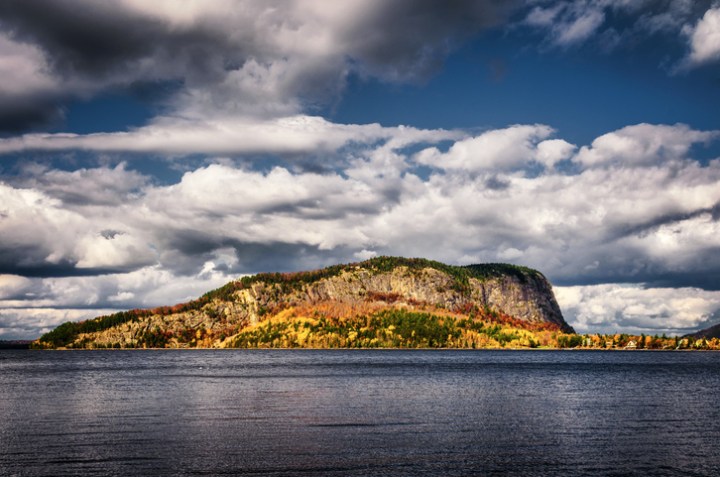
x: 381, y: 296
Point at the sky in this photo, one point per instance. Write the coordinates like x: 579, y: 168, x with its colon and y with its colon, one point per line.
x: 152, y: 151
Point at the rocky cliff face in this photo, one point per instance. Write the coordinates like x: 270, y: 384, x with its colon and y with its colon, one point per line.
x: 528, y: 298
x: 491, y: 290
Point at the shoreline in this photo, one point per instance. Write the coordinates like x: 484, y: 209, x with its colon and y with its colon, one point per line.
x: 375, y: 349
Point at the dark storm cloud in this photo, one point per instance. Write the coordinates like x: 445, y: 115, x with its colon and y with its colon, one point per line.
x: 188, y: 251
x: 38, y: 268
x: 653, y: 223
x: 626, y: 268
x: 256, y: 58
x: 705, y: 279
x: 86, y: 38
x: 409, y: 39
x: 239, y: 59
x: 191, y: 242
x: 15, y: 258
x: 94, y: 46
x: 285, y: 257
x: 18, y: 117
x: 99, y: 39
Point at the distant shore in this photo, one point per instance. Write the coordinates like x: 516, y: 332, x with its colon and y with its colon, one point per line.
x: 27, y: 345
x: 15, y: 344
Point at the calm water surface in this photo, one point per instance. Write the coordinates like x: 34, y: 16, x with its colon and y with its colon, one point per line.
x: 341, y: 412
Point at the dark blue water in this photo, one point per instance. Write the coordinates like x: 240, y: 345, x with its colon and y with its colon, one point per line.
x: 341, y: 412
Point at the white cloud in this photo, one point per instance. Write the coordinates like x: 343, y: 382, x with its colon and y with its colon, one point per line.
x: 146, y: 287
x: 704, y: 38
x: 255, y: 207
x: 560, y: 223
x: 24, y: 69
x: 178, y: 136
x: 48, y: 302
x: 123, y: 296
x: 510, y: 254
x: 266, y: 60
x: 609, y: 308
x: 543, y: 17
x: 552, y: 151
x: 365, y: 254
x: 478, y: 202
x: 635, y: 210
x: 11, y: 285
x: 680, y: 243
x: 579, y: 29
x: 248, y: 76
x: 33, y: 220
x: 670, y: 20
x: 643, y: 144
x: 85, y: 186
x: 117, y: 251
x: 573, y: 23
x: 499, y: 149
x: 30, y: 323
x: 568, y: 23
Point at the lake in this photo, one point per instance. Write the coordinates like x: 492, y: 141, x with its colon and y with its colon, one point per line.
x: 359, y: 412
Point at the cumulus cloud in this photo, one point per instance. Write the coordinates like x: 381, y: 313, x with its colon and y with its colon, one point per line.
x: 685, y: 243
x: 485, y: 197
x: 23, y: 67
x: 30, y: 323
x: 608, y: 308
x: 552, y: 151
x: 240, y: 58
x: 643, y: 144
x: 704, y: 38
x: 30, y: 307
x: 13, y: 285
x: 635, y: 209
x: 85, y: 186
x: 277, y: 187
x: 27, y: 89
x: 37, y: 230
x: 501, y: 149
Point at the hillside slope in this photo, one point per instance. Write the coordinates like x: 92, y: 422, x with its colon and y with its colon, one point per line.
x: 385, y: 301
x: 707, y: 333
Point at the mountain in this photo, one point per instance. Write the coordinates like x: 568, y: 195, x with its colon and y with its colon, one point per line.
x: 382, y: 302
x: 707, y: 333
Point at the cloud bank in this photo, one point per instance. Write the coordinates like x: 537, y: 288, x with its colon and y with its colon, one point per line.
x: 264, y: 182
x: 631, y: 207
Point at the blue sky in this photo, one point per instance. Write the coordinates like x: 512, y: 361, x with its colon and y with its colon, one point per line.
x: 150, y: 151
